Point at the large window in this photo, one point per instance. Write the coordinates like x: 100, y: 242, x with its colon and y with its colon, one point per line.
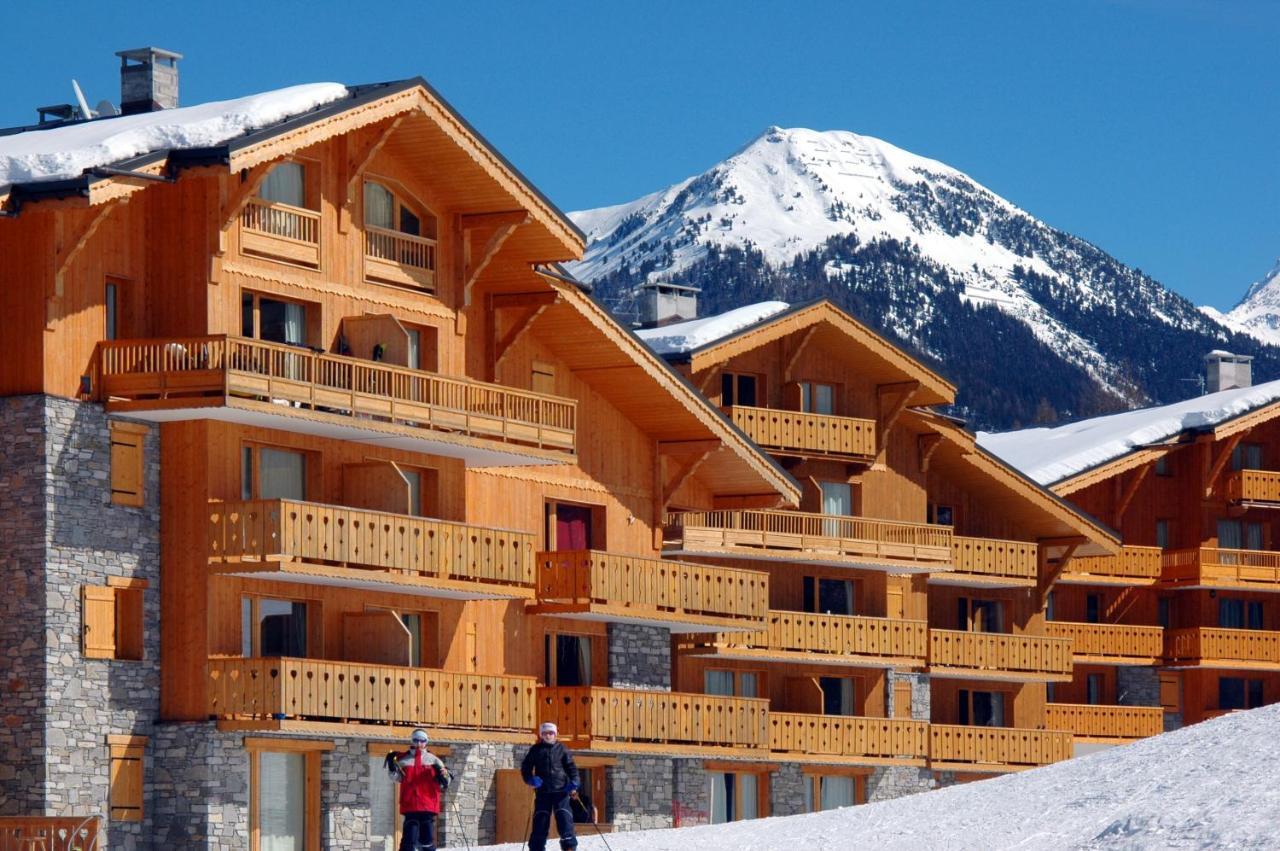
x: 731, y: 683
x: 276, y: 320
x: 285, y: 184
x: 270, y: 473
x: 734, y: 796
x: 284, y: 794
x: 832, y: 791
x: 1237, y: 535
x: 574, y: 527
x: 829, y: 596
x: 817, y: 398
x: 1247, y: 456
x: 1162, y: 533
x: 977, y: 615
x: 837, y: 695
x: 740, y: 389
x: 1092, y: 608
x: 384, y: 208
x: 271, y: 627
x: 1093, y: 689
x: 568, y: 659
x: 1234, y: 613
x: 1239, y: 693
x: 982, y: 708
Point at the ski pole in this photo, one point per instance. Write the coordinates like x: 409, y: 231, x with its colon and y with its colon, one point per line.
x: 461, y: 832
x: 599, y: 832
x: 529, y: 826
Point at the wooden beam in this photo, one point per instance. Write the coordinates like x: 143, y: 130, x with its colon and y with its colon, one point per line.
x: 669, y: 489
x: 358, y: 161
x: 795, y: 355
x: 236, y: 199
x: 473, y: 266
x: 705, y: 384
x: 1220, y: 463
x: 666, y: 446
x: 926, y: 445
x: 1055, y: 567
x: 517, y: 330
x: 494, y: 220
x: 68, y: 242
x: 893, y: 399
x: 1130, y: 490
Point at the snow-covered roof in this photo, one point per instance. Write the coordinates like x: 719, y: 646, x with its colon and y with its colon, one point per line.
x: 68, y: 150
x: 682, y: 337
x: 1050, y: 455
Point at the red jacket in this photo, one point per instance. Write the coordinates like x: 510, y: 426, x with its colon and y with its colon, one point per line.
x: 424, y: 775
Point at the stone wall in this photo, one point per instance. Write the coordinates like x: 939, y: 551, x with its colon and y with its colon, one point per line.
x: 345, y: 795
x: 1137, y: 686
x: 199, y: 795
x: 472, y: 800
x: 639, y: 657
x: 692, y: 803
x: 786, y: 790
x: 895, y: 781
x: 921, y: 700
x: 639, y: 793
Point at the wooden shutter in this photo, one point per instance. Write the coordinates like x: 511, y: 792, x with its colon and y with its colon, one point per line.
x: 127, y: 753
x: 98, y: 635
x: 126, y: 463
x: 1171, y: 691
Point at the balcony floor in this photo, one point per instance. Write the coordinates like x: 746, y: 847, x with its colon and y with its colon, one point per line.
x: 803, y: 657
x: 674, y: 621
x: 996, y: 675
x: 368, y: 730
x: 371, y: 579
x: 809, y: 557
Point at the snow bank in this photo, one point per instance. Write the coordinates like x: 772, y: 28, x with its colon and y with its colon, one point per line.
x: 687, y: 336
x: 1049, y: 455
x: 1211, y: 785
x: 64, y: 152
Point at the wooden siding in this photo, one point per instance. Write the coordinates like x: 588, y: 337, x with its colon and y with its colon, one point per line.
x: 315, y: 688
x: 992, y: 561
x: 805, y: 433
x: 820, y: 639
x: 995, y: 748
x: 1233, y: 648
x: 1139, y: 565
x: 999, y: 655
x: 797, y: 735
x: 1120, y: 644
x: 1091, y: 721
x: 1220, y: 568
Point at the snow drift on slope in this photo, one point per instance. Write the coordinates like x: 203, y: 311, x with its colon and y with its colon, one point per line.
x: 1211, y: 785
x: 64, y: 152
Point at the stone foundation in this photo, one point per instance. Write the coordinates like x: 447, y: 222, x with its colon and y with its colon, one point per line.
x: 199, y: 793
x: 896, y: 781
x: 786, y: 791
x: 692, y: 804
x: 472, y: 799
x: 639, y: 793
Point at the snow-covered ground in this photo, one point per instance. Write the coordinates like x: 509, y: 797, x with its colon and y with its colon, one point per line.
x: 1209, y: 786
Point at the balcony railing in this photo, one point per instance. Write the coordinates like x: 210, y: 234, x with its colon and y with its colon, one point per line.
x: 821, y: 640
x: 887, y: 739
x: 399, y: 258
x: 1234, y: 648
x: 50, y: 833
x: 454, y: 558
x: 1088, y: 721
x: 1107, y: 643
x: 588, y: 716
x: 1133, y: 566
x: 1218, y: 568
x: 316, y: 689
x: 1001, y: 656
x: 806, y: 434
x: 280, y: 230
x: 1253, y: 486
x: 177, y: 372
x: 989, y: 561
x: 807, y: 537
x: 632, y: 588
x: 995, y: 748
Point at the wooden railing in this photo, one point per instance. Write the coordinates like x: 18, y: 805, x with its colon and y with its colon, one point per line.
x: 1138, y: 563
x: 400, y: 258
x: 1110, y: 640
x: 320, y: 689
x: 51, y: 833
x: 592, y: 577
x: 810, y: 537
x: 1033, y: 655
x: 282, y: 230
x: 1257, y: 646
x: 995, y: 559
x: 1009, y: 746
x: 1253, y: 486
x: 1105, y: 722
x: 591, y: 714
x: 796, y: 431
x: 837, y: 735
x: 238, y: 366
x: 1223, y: 568
x: 265, y: 529
x: 825, y: 635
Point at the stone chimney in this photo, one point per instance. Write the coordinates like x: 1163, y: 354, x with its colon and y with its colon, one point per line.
x: 664, y: 304
x: 1226, y: 371
x: 148, y: 80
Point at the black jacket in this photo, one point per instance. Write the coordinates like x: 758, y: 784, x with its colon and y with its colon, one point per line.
x: 552, y: 763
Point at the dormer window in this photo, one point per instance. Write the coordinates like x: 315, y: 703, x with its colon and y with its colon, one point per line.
x: 400, y: 238
x: 280, y: 221
x: 286, y: 184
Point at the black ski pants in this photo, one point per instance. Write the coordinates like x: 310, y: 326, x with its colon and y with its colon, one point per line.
x: 546, y: 805
x: 419, y: 832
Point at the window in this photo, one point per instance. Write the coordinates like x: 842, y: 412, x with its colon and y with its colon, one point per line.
x: 1049, y: 608
x: 127, y: 469
x: 388, y: 210
x: 285, y: 184
x: 1163, y: 466
x: 837, y: 501
x: 270, y: 627
x: 837, y: 695
x: 272, y: 319
x: 424, y: 644
x: 979, y: 615
x: 817, y: 398
x: 112, y: 619
x: 740, y: 389
x: 1239, y: 693
x: 384, y: 805
x: 942, y: 515
x: 1093, y: 689
x: 284, y: 793
x: 831, y: 791
x: 574, y: 527
x: 128, y: 754
x: 734, y: 796
x: 829, y: 596
x: 1234, y: 613
x: 731, y: 683
x: 1092, y: 608
x: 270, y: 473
x: 982, y: 708
x: 1163, y: 612
x: 112, y: 324
x: 1247, y: 456
x: 1162, y: 534
x: 423, y: 347
x: 568, y: 659
x: 400, y: 238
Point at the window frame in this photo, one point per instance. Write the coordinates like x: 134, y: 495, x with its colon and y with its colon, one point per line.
x: 738, y: 676
x: 252, y: 490
x: 399, y: 193
x: 598, y: 651
x: 808, y: 396
x: 311, y: 750
x: 967, y: 710
x: 314, y: 615
x: 813, y: 779
x: 121, y: 603
x: 733, y: 377
x: 597, y: 534
x: 761, y: 775
x: 310, y: 316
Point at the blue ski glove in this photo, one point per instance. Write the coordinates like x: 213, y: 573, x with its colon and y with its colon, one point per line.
x: 536, y: 782
x: 571, y: 788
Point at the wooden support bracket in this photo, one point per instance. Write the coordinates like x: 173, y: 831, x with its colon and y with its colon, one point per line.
x: 669, y: 488
x: 893, y: 399
x: 1053, y: 567
x: 359, y: 160
x: 532, y: 303
x: 1220, y: 462
x: 926, y: 445
x: 795, y: 354
x: 504, y: 224
x: 1130, y: 491
x: 68, y: 242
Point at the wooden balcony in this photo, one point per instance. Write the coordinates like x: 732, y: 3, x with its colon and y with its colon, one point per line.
x: 797, y: 536
x: 399, y: 258
x: 297, y: 389
x: 661, y: 722
x: 50, y: 833
x: 281, y: 231
x: 1133, y: 566
x: 1110, y: 644
x: 282, y: 689
x: 814, y: 639
x: 994, y: 749
x: 294, y: 541
x: 1206, y: 647
x: 1210, y: 567
x: 592, y: 585
x: 991, y: 563
x: 809, y: 435
x: 999, y: 656
x: 801, y: 737
x: 1253, y: 486
x: 1094, y: 723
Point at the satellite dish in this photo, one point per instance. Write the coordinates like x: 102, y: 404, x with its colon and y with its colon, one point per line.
x: 85, y: 112
x: 106, y: 107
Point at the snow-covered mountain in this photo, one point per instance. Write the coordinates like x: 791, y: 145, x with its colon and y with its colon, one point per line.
x: 921, y: 251
x: 1258, y: 313
x: 1211, y: 785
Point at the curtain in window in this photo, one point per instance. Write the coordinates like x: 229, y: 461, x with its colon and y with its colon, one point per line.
x: 382, y: 807
x: 747, y: 685
x: 835, y: 596
x: 719, y: 682
x: 837, y: 695
x: 837, y: 792
x: 573, y: 527
x: 749, y: 796
x: 281, y: 801
x: 1230, y: 535
x: 1253, y: 536
x: 414, y: 480
x: 721, y: 796
x: 379, y: 206
x: 413, y: 623
x: 283, y: 474
x: 837, y: 500
x: 1231, y: 614
x: 285, y: 185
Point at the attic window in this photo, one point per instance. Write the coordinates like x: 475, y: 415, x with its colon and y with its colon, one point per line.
x: 400, y: 239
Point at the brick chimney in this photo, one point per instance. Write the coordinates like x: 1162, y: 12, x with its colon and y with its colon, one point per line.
x: 148, y: 79
x: 1226, y: 371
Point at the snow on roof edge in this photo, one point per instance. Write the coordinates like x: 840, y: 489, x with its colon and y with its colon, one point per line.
x: 684, y: 337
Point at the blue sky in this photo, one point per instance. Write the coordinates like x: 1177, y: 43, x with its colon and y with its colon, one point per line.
x: 1148, y: 127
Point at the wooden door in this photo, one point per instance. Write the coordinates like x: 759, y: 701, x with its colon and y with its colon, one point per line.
x: 515, y: 807
x: 377, y: 637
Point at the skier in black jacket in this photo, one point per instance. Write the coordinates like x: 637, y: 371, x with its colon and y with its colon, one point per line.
x: 550, y: 770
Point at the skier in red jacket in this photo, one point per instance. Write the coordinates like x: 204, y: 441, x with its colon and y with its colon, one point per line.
x: 423, y: 779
